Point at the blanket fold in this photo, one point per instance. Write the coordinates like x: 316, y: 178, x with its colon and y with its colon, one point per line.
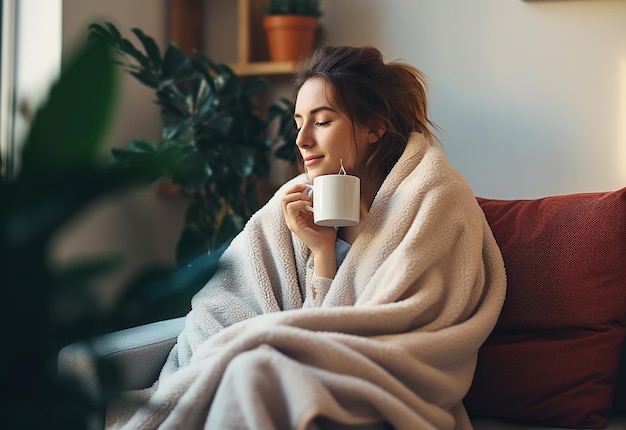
x: 393, y: 338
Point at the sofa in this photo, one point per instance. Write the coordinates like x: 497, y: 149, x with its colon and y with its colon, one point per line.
x: 557, y: 356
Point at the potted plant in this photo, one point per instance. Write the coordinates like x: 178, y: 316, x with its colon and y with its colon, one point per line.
x: 212, y: 129
x: 50, y: 304
x: 290, y: 26
x: 211, y: 126
x: 284, y: 143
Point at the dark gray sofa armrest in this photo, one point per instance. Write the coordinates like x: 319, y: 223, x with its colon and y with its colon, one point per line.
x: 138, y: 353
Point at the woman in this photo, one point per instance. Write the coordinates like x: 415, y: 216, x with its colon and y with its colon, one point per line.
x: 353, y: 107
x: 377, y: 324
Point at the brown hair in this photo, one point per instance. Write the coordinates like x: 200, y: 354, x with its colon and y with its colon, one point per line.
x: 389, y: 96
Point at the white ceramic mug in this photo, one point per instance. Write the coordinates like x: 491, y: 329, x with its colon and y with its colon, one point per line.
x: 336, y: 200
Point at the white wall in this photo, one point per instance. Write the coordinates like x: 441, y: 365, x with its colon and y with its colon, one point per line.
x: 531, y: 95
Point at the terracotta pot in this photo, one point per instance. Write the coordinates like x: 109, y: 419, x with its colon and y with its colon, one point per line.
x: 289, y: 37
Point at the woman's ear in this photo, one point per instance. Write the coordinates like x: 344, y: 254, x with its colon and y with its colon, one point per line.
x: 374, y: 135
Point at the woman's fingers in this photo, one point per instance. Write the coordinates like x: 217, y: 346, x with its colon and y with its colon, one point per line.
x: 297, y: 217
x: 295, y: 212
x: 297, y: 191
x: 296, y: 199
x: 300, y: 220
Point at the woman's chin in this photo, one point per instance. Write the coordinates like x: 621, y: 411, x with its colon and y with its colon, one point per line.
x: 313, y: 172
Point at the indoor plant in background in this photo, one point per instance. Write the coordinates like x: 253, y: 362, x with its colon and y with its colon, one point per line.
x: 291, y: 26
x: 211, y: 126
x: 47, y: 305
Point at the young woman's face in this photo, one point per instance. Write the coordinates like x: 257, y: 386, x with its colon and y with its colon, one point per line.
x: 325, y: 137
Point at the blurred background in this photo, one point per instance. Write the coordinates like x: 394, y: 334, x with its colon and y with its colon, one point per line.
x: 530, y: 95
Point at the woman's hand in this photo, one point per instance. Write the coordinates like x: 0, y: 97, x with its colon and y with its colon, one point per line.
x: 320, y: 240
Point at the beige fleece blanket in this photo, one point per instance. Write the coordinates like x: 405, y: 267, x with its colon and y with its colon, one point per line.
x: 393, y: 338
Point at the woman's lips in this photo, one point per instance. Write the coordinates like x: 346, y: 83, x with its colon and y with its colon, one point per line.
x: 312, y: 159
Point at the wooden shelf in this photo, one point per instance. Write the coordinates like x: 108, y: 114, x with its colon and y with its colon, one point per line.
x: 252, y: 55
x: 263, y: 68
x: 185, y: 24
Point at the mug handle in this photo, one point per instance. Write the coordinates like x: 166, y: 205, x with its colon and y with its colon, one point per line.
x: 309, y: 194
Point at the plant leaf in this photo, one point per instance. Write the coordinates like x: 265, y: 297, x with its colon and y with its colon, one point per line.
x: 230, y: 226
x: 191, y: 171
x: 142, y: 146
x: 114, y: 31
x: 109, y: 35
x: 66, y: 133
x: 192, y: 240
x: 134, y: 149
x: 177, y: 66
x: 128, y: 47
x: 148, y: 79
x: 173, y: 103
x: 150, y: 46
x: 80, y: 272
x: 255, y: 86
x: 242, y: 161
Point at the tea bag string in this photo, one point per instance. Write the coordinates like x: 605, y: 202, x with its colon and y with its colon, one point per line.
x: 342, y: 171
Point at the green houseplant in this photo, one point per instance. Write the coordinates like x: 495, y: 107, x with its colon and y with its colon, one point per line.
x: 284, y: 143
x: 212, y: 128
x: 290, y: 26
x: 46, y: 305
x: 293, y: 7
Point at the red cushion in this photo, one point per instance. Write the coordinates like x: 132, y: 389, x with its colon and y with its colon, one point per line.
x: 552, y: 358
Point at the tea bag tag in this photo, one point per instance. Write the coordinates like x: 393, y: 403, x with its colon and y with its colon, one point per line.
x: 342, y: 171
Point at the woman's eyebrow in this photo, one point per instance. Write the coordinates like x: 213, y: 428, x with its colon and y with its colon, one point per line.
x: 316, y: 110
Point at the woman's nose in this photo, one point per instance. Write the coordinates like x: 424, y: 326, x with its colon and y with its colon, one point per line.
x: 303, y: 139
